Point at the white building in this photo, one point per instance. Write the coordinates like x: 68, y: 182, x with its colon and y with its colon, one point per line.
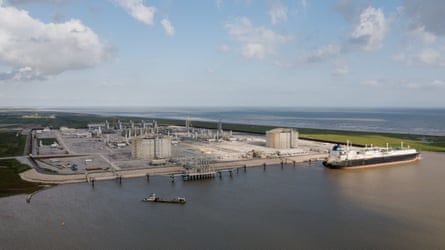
x: 281, y: 138
x: 152, y: 148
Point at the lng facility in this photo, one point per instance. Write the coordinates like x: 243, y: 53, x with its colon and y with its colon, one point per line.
x: 129, y: 149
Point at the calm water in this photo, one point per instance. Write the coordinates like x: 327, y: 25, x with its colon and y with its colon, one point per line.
x: 294, y: 207
x: 392, y: 120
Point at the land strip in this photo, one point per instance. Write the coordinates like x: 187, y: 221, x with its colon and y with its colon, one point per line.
x: 34, y: 176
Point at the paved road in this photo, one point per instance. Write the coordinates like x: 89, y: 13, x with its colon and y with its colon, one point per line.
x: 9, y: 157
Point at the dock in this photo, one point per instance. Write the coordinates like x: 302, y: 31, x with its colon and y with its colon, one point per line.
x: 198, y: 176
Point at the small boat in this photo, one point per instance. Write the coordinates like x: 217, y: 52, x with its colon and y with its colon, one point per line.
x: 154, y: 198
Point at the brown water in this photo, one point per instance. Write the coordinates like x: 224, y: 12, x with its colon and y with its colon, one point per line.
x: 279, y: 208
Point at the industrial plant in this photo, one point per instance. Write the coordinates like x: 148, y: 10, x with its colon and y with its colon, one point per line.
x: 121, y: 145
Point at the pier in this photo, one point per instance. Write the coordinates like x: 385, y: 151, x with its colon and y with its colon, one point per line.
x: 199, y: 176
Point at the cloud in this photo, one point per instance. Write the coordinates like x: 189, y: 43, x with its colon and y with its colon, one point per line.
x: 421, y: 34
x: 138, y: 10
x: 373, y: 83
x: 36, y: 50
x: 257, y: 42
x: 219, y: 4
x: 169, y: 29
x: 323, y: 53
x: 304, y: 4
x: 369, y: 32
x: 20, y: 2
x: 431, y: 57
x: 254, y: 50
x: 21, y: 74
x: 277, y: 12
x: 426, y: 14
x: 349, y: 9
x: 342, y: 69
x: 437, y: 84
x: 398, y: 84
x: 224, y: 48
x: 282, y: 65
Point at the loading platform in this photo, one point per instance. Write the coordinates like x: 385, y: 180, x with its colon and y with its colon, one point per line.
x: 198, y: 176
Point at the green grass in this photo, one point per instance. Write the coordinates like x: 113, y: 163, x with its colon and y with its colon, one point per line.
x: 10, y: 181
x: 420, y: 142
x: 48, y: 141
x: 11, y: 144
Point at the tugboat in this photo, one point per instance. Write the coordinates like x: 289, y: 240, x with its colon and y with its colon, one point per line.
x: 154, y: 198
x: 347, y: 158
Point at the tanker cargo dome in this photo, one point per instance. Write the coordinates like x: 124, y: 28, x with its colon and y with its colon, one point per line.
x: 282, y: 138
x: 150, y: 148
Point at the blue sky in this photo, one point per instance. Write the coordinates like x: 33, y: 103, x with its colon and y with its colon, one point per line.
x: 301, y: 53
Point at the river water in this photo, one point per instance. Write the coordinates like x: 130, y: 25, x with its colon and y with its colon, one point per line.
x: 306, y: 206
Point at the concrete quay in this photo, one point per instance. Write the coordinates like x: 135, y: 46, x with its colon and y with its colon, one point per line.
x: 35, y: 176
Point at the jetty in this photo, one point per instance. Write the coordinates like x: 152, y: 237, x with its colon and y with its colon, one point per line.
x: 199, y: 173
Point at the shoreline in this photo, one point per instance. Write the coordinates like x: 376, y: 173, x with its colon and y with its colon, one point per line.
x: 33, y: 175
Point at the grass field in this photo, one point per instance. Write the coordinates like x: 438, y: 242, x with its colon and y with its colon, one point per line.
x: 10, y: 181
x: 11, y: 144
x: 420, y: 142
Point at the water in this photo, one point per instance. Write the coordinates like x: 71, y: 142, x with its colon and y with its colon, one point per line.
x: 279, y: 208
x: 391, y: 120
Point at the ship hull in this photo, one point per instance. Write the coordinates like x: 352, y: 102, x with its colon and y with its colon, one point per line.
x: 373, y: 162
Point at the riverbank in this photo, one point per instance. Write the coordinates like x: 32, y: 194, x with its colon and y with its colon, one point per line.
x: 37, y: 177
x: 10, y: 181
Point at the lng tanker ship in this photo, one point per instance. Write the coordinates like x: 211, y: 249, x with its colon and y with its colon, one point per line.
x: 344, y: 157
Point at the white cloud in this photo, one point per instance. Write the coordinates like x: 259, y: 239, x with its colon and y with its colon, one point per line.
x: 420, y: 33
x: 398, y: 84
x: 257, y: 42
x: 373, y: 83
x: 342, y: 69
x: 219, y: 4
x: 138, y: 10
x: 36, y: 50
x: 399, y: 57
x: 323, y: 53
x: 431, y: 57
x: 304, y: 4
x: 277, y: 12
x: 110, y: 84
x: 224, y: 48
x: 282, y: 65
x: 369, y: 33
x: 168, y: 27
x: 19, y: 2
x: 437, y: 84
x: 254, y: 50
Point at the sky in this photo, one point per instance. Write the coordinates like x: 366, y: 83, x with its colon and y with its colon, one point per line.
x: 213, y: 53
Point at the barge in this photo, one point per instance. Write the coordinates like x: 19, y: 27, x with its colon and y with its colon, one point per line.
x: 154, y: 198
